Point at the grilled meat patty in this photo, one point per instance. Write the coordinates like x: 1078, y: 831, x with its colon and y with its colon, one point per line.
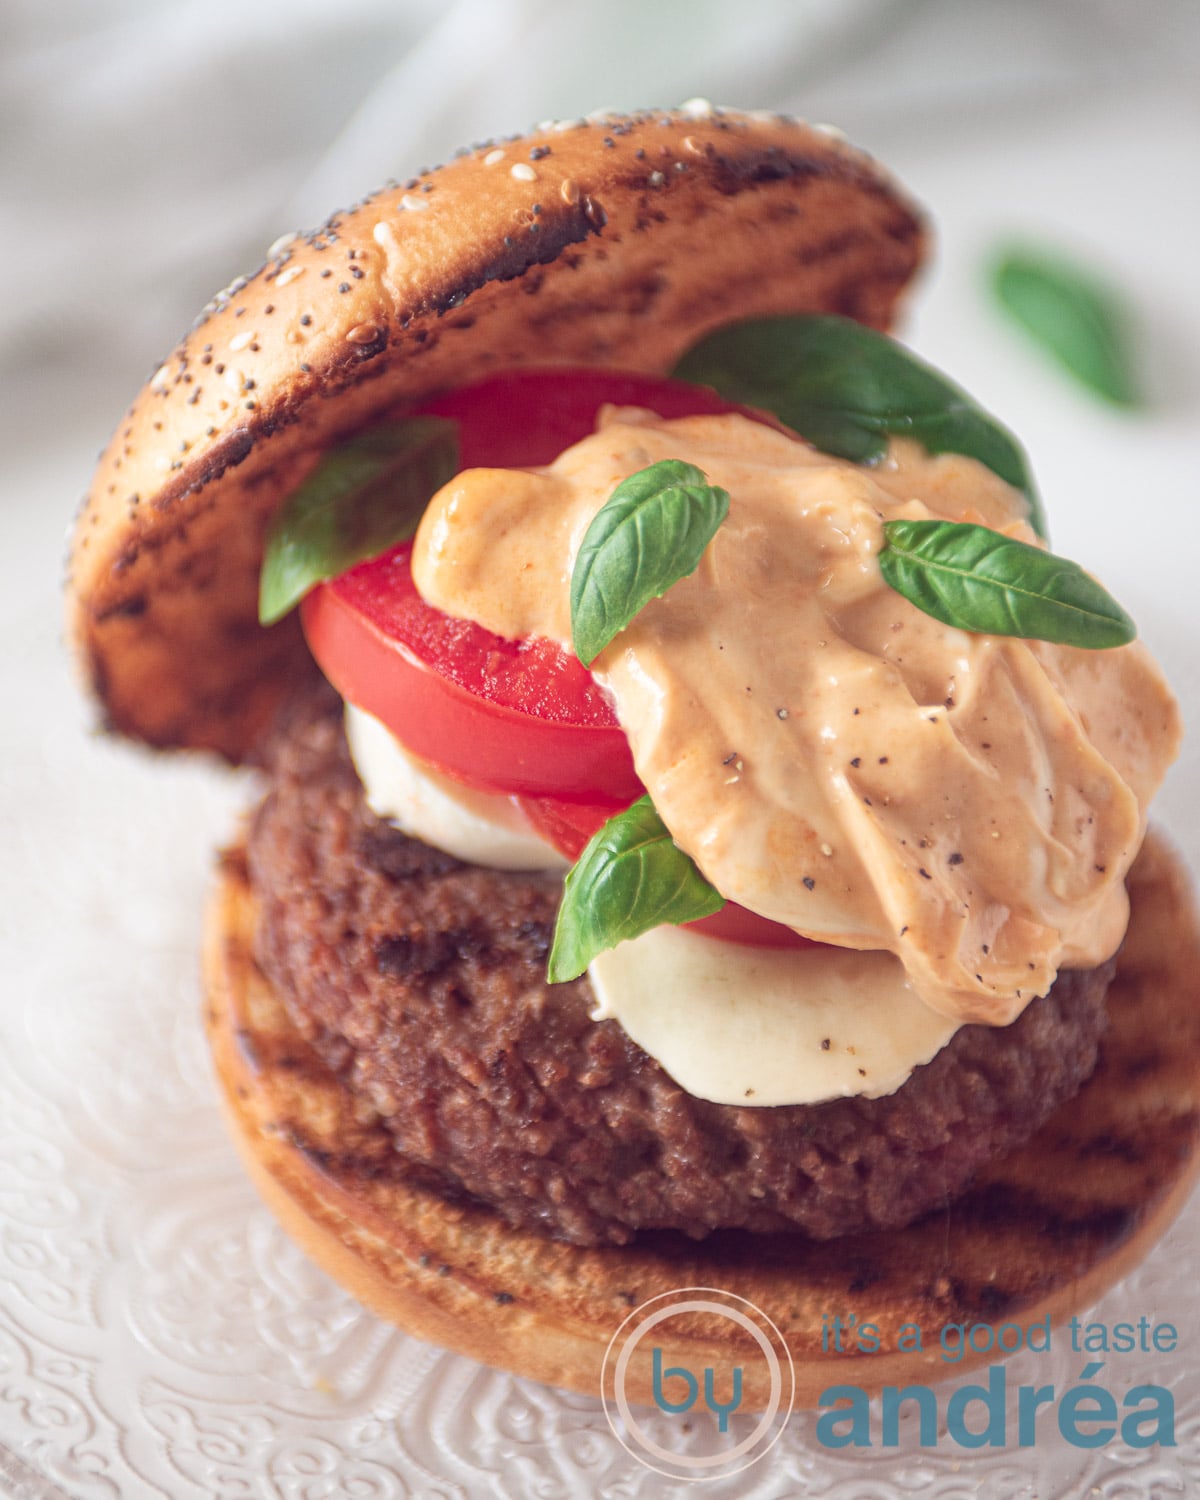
x: 420, y: 981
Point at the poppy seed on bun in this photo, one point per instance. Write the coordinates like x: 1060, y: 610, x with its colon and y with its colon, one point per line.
x: 575, y: 245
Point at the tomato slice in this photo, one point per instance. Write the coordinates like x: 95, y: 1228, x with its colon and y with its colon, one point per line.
x: 737, y: 924
x: 520, y: 717
x: 569, y: 825
x: 526, y: 418
x: 510, y: 716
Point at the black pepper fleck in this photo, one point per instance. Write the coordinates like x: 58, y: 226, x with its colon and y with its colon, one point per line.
x: 808, y: 883
x: 856, y: 762
x: 955, y: 859
x: 502, y: 1299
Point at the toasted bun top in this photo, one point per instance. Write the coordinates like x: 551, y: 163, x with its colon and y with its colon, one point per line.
x: 615, y: 241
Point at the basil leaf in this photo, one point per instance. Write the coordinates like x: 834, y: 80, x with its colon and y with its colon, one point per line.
x: 630, y: 877
x: 846, y: 388
x: 650, y: 533
x: 976, y: 579
x: 1072, y: 315
x: 361, y: 499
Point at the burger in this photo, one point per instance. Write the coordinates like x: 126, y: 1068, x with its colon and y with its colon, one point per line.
x: 702, y: 819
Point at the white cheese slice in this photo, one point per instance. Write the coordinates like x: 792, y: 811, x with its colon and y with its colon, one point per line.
x: 484, y: 828
x: 730, y: 1023
x: 741, y: 1025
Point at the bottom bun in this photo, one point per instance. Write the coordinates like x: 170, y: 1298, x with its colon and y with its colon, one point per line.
x: 1042, y: 1232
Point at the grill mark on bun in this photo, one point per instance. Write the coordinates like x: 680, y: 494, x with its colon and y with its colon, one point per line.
x: 435, y: 1266
x: 471, y: 281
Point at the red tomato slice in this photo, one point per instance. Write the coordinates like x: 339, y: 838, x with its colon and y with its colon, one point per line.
x: 737, y: 924
x: 526, y: 418
x: 510, y: 716
x: 569, y: 825
x: 522, y: 717
x: 514, y: 716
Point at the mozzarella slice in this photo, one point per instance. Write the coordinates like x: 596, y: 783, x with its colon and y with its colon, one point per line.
x: 728, y: 1022
x: 484, y: 828
x: 741, y: 1025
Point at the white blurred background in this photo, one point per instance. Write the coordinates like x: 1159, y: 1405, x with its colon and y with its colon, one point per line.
x: 149, y: 151
x: 151, y: 148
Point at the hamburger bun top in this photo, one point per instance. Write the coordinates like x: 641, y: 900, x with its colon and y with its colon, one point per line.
x: 616, y: 241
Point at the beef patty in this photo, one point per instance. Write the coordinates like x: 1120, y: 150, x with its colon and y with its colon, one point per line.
x: 420, y: 981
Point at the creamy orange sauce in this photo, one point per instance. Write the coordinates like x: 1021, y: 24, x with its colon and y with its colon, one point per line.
x: 830, y: 756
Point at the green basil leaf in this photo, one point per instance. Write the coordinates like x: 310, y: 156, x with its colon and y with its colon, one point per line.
x: 847, y: 388
x: 650, y: 533
x: 976, y: 579
x: 361, y: 499
x: 630, y: 877
x: 1073, y: 316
